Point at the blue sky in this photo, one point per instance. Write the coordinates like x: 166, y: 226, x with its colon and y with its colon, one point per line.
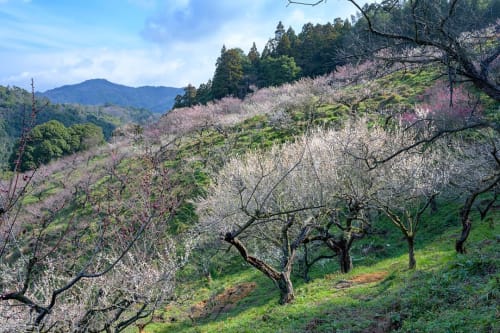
x: 138, y: 42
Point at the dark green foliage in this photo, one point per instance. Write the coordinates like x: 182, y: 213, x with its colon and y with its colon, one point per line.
x: 16, y: 105
x: 204, y: 93
x: 85, y: 136
x: 319, y: 49
x: 277, y: 71
x: 228, y: 77
x: 189, y: 97
x: 318, y: 46
x: 253, y: 54
x: 284, y: 58
x: 193, y: 96
x: 53, y: 140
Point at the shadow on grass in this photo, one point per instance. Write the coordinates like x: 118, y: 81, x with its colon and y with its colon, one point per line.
x: 445, y: 285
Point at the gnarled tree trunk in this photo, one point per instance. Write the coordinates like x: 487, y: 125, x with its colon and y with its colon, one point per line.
x: 465, y: 213
x: 345, y: 259
x: 460, y: 243
x: 342, y: 248
x: 281, y: 279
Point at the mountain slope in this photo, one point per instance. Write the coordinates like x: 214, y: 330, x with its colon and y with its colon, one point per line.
x: 100, y: 91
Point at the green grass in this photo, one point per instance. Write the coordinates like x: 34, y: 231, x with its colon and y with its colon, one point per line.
x: 447, y: 292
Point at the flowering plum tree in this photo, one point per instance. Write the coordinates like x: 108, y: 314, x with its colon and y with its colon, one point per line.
x: 445, y: 108
x: 350, y: 182
x: 411, y: 183
x: 265, y: 205
x: 476, y: 172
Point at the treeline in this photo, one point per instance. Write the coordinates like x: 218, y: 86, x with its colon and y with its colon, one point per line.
x: 285, y: 58
x: 319, y: 49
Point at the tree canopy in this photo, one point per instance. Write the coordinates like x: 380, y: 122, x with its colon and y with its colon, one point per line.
x: 52, y: 140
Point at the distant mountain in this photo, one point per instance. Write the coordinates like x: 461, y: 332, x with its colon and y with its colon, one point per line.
x: 103, y: 92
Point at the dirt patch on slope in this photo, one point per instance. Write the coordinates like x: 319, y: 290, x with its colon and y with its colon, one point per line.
x: 221, y: 303
x: 369, y: 277
x: 361, y: 279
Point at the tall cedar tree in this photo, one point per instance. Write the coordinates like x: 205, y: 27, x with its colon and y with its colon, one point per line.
x: 228, y: 75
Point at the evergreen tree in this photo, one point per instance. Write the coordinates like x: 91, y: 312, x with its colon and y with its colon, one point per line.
x: 294, y: 40
x: 277, y: 71
x: 52, y: 140
x: 318, y: 46
x: 280, y: 31
x: 188, y: 99
x: 85, y: 136
x: 228, y: 77
x: 273, y: 47
x: 47, y: 141
x: 251, y: 71
x: 190, y: 92
x: 267, y: 50
x: 253, y: 54
x: 178, y: 102
x: 284, y: 47
x: 204, y: 93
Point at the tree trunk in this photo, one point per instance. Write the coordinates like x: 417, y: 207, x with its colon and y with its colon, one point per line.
x: 345, y: 259
x: 460, y: 243
x: 307, y: 266
x: 286, y: 288
x: 281, y: 279
x: 433, y: 204
x: 412, y: 263
x: 466, y: 210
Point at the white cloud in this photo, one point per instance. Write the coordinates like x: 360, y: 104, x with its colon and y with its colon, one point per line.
x: 130, y: 67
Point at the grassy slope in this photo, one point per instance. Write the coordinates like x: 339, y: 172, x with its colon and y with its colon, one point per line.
x: 446, y: 293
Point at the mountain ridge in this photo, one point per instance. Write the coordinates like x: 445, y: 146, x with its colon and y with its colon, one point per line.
x: 99, y: 91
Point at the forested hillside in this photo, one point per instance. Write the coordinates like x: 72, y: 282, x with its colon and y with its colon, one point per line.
x: 16, y: 113
x: 362, y: 200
